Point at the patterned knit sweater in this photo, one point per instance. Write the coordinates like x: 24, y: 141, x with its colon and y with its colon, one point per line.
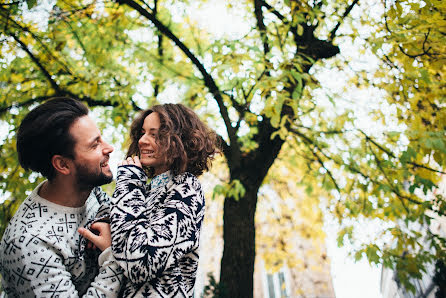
x: 43, y: 255
x: 156, y: 231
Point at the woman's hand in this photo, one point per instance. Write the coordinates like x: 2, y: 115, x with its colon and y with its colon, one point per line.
x: 131, y: 161
x: 102, y: 236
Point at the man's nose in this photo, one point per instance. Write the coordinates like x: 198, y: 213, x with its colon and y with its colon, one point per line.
x: 108, y: 148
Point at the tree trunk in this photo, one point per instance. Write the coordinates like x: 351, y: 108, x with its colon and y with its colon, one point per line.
x: 237, y: 263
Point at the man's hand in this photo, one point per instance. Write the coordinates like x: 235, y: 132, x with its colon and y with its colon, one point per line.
x: 131, y: 161
x: 102, y: 238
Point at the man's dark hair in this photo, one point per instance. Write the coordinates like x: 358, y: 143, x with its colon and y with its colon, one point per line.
x: 44, y: 132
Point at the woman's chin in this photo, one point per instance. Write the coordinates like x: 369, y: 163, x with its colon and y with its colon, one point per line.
x: 145, y: 164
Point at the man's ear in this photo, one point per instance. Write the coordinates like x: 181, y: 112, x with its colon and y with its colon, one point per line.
x: 61, y: 164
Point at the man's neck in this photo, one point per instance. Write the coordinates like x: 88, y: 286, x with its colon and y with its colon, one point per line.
x: 64, y: 193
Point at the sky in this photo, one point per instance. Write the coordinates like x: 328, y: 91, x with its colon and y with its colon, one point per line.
x: 350, y: 279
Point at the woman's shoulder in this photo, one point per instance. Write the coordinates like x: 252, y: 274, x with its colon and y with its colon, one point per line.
x: 187, y: 180
x: 185, y: 177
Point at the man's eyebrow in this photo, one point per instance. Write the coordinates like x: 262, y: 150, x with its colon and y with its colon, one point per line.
x: 94, y: 140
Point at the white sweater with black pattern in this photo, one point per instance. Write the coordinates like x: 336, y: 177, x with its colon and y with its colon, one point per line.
x: 156, y: 232
x: 43, y: 255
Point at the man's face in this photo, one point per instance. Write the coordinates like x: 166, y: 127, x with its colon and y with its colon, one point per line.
x: 91, y: 154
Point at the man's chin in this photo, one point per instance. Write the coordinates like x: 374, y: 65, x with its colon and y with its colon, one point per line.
x: 107, y: 173
x: 104, y: 179
x: 108, y: 178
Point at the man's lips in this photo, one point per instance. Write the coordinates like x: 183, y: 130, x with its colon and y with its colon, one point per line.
x: 104, y: 163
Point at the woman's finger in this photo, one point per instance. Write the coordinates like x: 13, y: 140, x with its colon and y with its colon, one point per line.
x: 137, y: 161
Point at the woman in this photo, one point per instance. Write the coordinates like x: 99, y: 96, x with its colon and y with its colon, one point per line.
x: 156, y: 227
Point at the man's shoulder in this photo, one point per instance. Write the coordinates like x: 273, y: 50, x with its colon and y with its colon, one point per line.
x: 31, y: 211
x: 39, y: 222
x: 28, y: 212
x: 32, y: 218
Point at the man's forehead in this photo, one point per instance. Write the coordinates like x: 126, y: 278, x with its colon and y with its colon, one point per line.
x: 84, y: 130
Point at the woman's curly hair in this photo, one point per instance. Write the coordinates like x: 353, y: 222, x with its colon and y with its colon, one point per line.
x: 184, y: 141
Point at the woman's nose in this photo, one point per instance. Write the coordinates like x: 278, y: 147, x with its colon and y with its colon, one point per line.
x: 143, y: 139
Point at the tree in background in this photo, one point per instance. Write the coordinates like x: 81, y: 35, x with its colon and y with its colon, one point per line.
x: 409, y: 40
x: 259, y: 91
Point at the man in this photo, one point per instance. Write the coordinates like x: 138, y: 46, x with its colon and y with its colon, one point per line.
x: 42, y: 253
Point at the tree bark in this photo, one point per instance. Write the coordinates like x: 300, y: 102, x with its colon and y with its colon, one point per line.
x: 237, y: 263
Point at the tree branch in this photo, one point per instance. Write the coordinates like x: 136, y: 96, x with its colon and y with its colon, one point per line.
x: 395, y: 191
x: 57, y: 89
x: 35, y: 37
x: 275, y: 12
x: 90, y: 101
x: 425, y: 52
x: 208, y: 80
x: 390, y: 153
x: 246, y: 95
x: 321, y: 162
x: 389, y: 182
x: 261, y: 25
x: 346, y: 13
x: 160, y: 50
x: 53, y: 84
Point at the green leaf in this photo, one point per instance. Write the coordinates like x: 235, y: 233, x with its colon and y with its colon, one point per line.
x: 409, y: 155
x: 425, y: 75
x: 345, y: 232
x: 31, y: 3
x: 234, y: 189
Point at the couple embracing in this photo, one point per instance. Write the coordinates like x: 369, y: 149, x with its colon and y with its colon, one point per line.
x: 69, y: 239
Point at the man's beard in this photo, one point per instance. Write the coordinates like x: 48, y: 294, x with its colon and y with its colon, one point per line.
x: 87, y: 179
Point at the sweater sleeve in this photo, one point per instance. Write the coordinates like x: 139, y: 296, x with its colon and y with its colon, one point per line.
x: 34, y: 268
x: 103, y: 199
x: 152, y: 231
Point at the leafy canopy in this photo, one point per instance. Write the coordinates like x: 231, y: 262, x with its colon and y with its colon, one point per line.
x: 258, y: 89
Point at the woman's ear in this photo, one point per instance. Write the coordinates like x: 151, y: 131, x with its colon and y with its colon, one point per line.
x: 61, y: 164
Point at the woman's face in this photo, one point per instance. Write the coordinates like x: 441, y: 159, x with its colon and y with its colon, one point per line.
x: 148, y: 147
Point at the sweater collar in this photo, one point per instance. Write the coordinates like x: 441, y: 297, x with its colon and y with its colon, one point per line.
x: 161, y: 180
